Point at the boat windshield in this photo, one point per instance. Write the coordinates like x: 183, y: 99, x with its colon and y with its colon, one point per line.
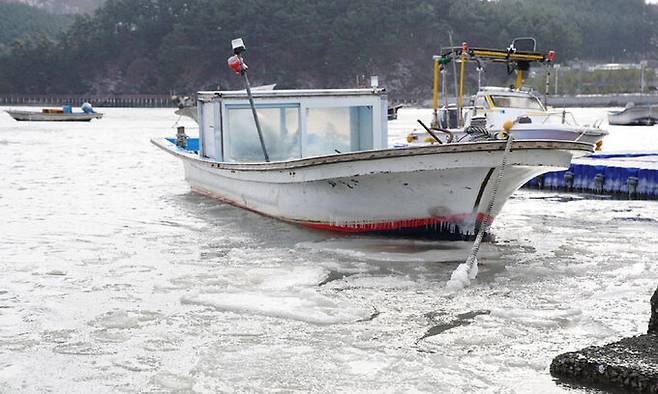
x: 517, y: 102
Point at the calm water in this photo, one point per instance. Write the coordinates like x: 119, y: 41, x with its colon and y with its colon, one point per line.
x: 114, y: 277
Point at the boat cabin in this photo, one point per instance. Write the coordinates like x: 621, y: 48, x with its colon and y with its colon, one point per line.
x: 500, y: 104
x: 295, y: 123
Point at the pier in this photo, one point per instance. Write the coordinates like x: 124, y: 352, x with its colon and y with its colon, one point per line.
x: 632, y: 176
x: 601, y: 100
x: 122, y: 100
x: 584, y: 100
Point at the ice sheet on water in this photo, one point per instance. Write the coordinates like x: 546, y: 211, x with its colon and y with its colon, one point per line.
x: 379, y: 283
x: 539, y: 318
x: 123, y: 319
x: 273, y: 278
x: 306, y: 305
x: 172, y: 382
x: 286, y: 292
x: 390, y: 249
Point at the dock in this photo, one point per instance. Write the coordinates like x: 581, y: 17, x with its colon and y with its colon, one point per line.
x: 631, y: 176
x: 601, y: 100
x: 122, y: 100
x: 629, y: 365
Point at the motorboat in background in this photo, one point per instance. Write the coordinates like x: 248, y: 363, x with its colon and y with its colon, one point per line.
x: 331, y: 167
x: 492, y: 107
x: 644, y: 115
x: 63, y: 114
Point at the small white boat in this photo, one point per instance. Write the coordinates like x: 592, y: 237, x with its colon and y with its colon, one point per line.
x: 332, y: 169
x: 491, y: 107
x: 634, y: 115
x: 64, y: 114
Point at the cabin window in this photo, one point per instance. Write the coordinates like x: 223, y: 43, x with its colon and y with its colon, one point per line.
x: 208, y: 126
x: 331, y: 130
x: 517, y: 102
x: 280, y: 128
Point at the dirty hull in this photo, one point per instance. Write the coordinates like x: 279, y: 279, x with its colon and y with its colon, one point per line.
x: 436, y: 192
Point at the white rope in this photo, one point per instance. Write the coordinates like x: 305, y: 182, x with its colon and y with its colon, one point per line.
x: 177, y: 120
x: 463, y: 274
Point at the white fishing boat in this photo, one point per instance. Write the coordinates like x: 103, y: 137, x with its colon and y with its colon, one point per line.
x: 63, y: 114
x: 634, y: 115
x: 491, y: 107
x: 331, y: 167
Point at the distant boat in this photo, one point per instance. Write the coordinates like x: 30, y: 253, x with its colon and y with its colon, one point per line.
x: 64, y: 114
x: 638, y: 115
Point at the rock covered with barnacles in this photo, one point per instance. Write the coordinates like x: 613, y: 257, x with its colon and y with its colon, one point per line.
x: 653, y: 322
x: 630, y: 364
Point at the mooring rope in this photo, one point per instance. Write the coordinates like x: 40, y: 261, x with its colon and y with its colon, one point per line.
x: 177, y: 120
x: 460, y: 278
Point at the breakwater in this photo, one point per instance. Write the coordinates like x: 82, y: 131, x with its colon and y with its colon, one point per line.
x: 602, y: 100
x: 123, y: 100
x: 580, y: 100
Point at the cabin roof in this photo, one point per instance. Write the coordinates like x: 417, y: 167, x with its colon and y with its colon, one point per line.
x: 500, y: 91
x: 242, y: 94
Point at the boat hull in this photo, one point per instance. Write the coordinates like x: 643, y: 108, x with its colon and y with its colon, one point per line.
x: 559, y: 132
x: 533, y: 132
x: 638, y: 115
x: 441, y: 190
x: 31, y: 116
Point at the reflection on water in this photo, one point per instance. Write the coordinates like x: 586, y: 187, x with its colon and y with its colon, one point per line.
x: 115, y: 277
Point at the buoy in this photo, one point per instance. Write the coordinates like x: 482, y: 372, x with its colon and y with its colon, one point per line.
x: 599, y: 145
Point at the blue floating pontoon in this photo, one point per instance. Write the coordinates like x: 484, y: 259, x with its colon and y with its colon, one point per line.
x: 625, y: 175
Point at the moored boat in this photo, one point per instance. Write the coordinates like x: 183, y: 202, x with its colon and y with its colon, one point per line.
x: 332, y: 169
x: 491, y: 107
x: 64, y: 114
x: 634, y: 115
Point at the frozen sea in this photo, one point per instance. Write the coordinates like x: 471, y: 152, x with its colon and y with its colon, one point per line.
x: 114, y: 277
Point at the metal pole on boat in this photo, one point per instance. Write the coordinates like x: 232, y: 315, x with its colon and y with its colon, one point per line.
x: 548, y: 84
x: 237, y: 64
x: 454, y: 68
x: 435, y: 102
x: 643, y: 65
x: 479, y: 70
x: 460, y: 119
x: 445, y: 97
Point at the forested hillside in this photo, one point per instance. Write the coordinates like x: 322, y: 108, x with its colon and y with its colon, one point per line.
x: 19, y: 20
x: 156, y: 46
x: 61, y: 6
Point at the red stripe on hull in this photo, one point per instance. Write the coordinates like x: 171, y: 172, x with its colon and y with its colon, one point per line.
x: 360, y: 227
x: 393, y: 225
